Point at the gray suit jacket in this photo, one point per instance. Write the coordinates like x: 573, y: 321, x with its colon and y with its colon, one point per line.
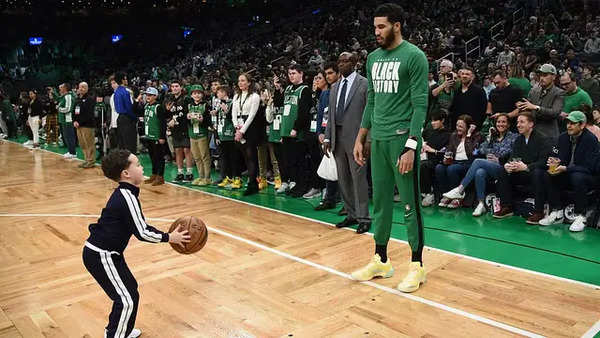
x: 355, y: 106
x: 551, y: 105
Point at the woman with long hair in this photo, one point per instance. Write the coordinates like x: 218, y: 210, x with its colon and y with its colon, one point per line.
x: 35, y: 111
x: 247, y: 135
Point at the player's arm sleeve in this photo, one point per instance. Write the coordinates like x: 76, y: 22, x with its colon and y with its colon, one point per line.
x: 368, y: 112
x: 140, y: 229
x: 419, y: 92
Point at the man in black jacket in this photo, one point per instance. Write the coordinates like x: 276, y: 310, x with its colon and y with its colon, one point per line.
x: 85, y: 124
x: 469, y: 99
x: 573, y: 167
x: 528, y: 160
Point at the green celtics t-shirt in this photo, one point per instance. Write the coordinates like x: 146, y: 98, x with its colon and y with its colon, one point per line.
x: 574, y: 100
x: 522, y: 83
x: 397, y: 92
x: 197, y: 129
x: 290, y: 110
x: 273, y: 129
x: 225, y: 128
x: 151, y: 122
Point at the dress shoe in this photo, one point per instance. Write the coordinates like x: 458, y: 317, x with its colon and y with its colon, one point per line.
x: 346, y: 222
x: 363, y: 227
x: 342, y: 212
x: 325, y: 206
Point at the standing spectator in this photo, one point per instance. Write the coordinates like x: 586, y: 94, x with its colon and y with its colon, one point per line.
x: 592, y: 45
x: 198, y: 126
x: 272, y: 146
x: 126, y: 121
x: 503, y: 99
x: 574, y: 97
x: 85, y: 125
x: 227, y: 149
x: 517, y: 79
x: 546, y: 102
x: 316, y: 60
x: 8, y: 117
x: 488, y: 86
x: 470, y: 99
x: 35, y: 111
x: 578, y: 150
x: 51, y: 117
x: 590, y: 85
x: 443, y: 94
x: 113, y: 135
x: 506, y: 56
x: 66, y: 106
x: 347, y: 102
x: 177, y: 108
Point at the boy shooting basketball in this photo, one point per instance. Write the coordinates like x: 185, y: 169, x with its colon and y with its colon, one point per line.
x: 103, y: 251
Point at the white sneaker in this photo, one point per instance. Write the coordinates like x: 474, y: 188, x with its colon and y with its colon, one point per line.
x: 66, y: 156
x: 555, y: 217
x: 444, y: 202
x: 72, y: 156
x: 292, y: 185
x: 428, y: 200
x: 2, y: 136
x: 479, y: 210
x: 284, y: 187
x: 454, y: 194
x: 312, y: 193
x: 28, y: 143
x: 135, y: 333
x: 578, y: 224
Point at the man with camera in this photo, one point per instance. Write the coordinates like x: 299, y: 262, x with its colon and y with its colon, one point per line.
x: 444, y: 92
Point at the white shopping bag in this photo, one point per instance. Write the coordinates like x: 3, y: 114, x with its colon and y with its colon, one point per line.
x: 327, y: 168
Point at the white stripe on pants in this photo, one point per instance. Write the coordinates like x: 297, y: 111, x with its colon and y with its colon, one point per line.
x: 34, y: 124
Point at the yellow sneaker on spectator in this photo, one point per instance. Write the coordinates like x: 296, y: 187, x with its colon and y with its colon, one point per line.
x: 198, y: 181
x: 225, y: 182
x: 207, y: 181
x: 277, y: 182
x: 262, y: 183
x: 415, y: 276
x: 375, y: 268
x: 237, y: 183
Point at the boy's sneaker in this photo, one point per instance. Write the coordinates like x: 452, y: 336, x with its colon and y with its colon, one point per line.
x: 415, y: 277
x: 428, y: 200
x: 198, y: 181
x: 225, y: 182
x: 455, y: 204
x: 578, y: 224
x: 283, y: 188
x: 179, y: 178
x: 28, y: 143
x: 277, y: 182
x: 555, y: 217
x: 135, y: 333
x: 375, y: 268
x: 262, y: 183
x: 188, y: 178
x: 444, y: 202
x: 455, y: 194
x: 237, y: 183
x: 312, y: 193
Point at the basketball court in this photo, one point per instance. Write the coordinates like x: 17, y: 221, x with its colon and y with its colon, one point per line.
x: 262, y: 273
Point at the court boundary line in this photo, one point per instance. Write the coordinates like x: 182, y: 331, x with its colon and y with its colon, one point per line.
x: 497, y: 264
x: 591, y: 333
x: 424, y: 301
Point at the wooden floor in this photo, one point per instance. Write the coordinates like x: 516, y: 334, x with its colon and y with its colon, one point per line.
x: 237, y: 289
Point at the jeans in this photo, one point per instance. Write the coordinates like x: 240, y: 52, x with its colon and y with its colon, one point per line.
x: 449, y: 176
x: 68, y: 132
x: 579, y: 182
x: 480, y: 171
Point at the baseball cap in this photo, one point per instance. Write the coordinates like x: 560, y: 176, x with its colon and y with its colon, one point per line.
x: 151, y: 91
x: 577, y: 117
x: 196, y: 87
x: 547, y: 68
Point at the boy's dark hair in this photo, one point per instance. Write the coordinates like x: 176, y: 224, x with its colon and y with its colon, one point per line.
x: 225, y: 89
x: 114, y: 163
x: 392, y: 11
x: 332, y: 65
x: 296, y: 67
x: 176, y: 81
x: 119, y: 77
x: 438, y: 116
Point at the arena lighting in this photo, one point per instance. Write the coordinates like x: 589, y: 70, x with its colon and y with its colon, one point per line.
x: 316, y: 11
x: 35, y: 41
x: 117, y: 38
x: 186, y: 33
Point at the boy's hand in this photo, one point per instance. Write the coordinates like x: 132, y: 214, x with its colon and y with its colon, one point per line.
x: 179, y: 236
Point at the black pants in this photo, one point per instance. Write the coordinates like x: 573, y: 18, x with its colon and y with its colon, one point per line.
x: 157, y: 155
x: 231, y: 159
x: 579, y: 182
x: 127, y: 133
x: 250, y: 152
x: 294, y: 161
x: 427, y: 175
x: 535, y: 179
x: 316, y: 154
x: 113, y: 275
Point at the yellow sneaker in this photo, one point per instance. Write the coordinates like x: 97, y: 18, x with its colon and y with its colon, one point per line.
x: 262, y: 183
x: 207, y: 181
x: 374, y: 269
x: 415, y: 276
x: 198, y: 181
x: 226, y: 181
x: 237, y: 183
x: 277, y: 182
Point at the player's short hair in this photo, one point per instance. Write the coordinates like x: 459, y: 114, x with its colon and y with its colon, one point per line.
x: 114, y: 163
x: 393, y: 12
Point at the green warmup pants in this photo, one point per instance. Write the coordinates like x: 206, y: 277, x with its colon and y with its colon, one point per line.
x: 384, y: 170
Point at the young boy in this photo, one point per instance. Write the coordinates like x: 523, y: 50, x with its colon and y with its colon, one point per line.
x: 103, y: 251
x: 199, y: 116
x: 177, y: 105
x: 225, y: 132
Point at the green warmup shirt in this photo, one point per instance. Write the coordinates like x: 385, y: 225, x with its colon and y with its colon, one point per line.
x: 273, y: 129
x: 225, y: 128
x: 522, y: 83
x: 153, y: 119
x: 197, y: 129
x: 574, y: 100
x: 66, y: 107
x: 397, y: 93
x: 290, y: 110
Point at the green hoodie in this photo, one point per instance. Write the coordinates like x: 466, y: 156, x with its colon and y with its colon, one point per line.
x: 66, y: 107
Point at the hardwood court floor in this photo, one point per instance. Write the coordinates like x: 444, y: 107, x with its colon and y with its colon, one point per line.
x: 238, y: 289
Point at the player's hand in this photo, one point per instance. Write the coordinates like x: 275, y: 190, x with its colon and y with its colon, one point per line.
x: 406, y: 161
x: 179, y: 236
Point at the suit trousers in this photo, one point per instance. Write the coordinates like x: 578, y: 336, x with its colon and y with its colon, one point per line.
x: 352, y: 178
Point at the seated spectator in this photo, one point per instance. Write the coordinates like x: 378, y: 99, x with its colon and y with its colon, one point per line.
x: 506, y: 57
x: 528, y: 157
x: 573, y: 167
x: 590, y: 84
x: 434, y: 140
x: 593, y: 118
x: 496, y: 150
x: 457, y: 158
x: 592, y: 45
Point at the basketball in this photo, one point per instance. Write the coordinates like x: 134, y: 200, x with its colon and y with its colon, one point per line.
x: 197, y: 231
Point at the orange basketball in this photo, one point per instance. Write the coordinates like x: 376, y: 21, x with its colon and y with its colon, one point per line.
x: 197, y: 231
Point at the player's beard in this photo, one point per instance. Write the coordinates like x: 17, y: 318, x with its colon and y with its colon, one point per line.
x: 386, y: 41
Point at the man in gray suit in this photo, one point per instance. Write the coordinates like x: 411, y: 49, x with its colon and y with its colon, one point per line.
x: 346, y: 105
x: 546, y: 101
